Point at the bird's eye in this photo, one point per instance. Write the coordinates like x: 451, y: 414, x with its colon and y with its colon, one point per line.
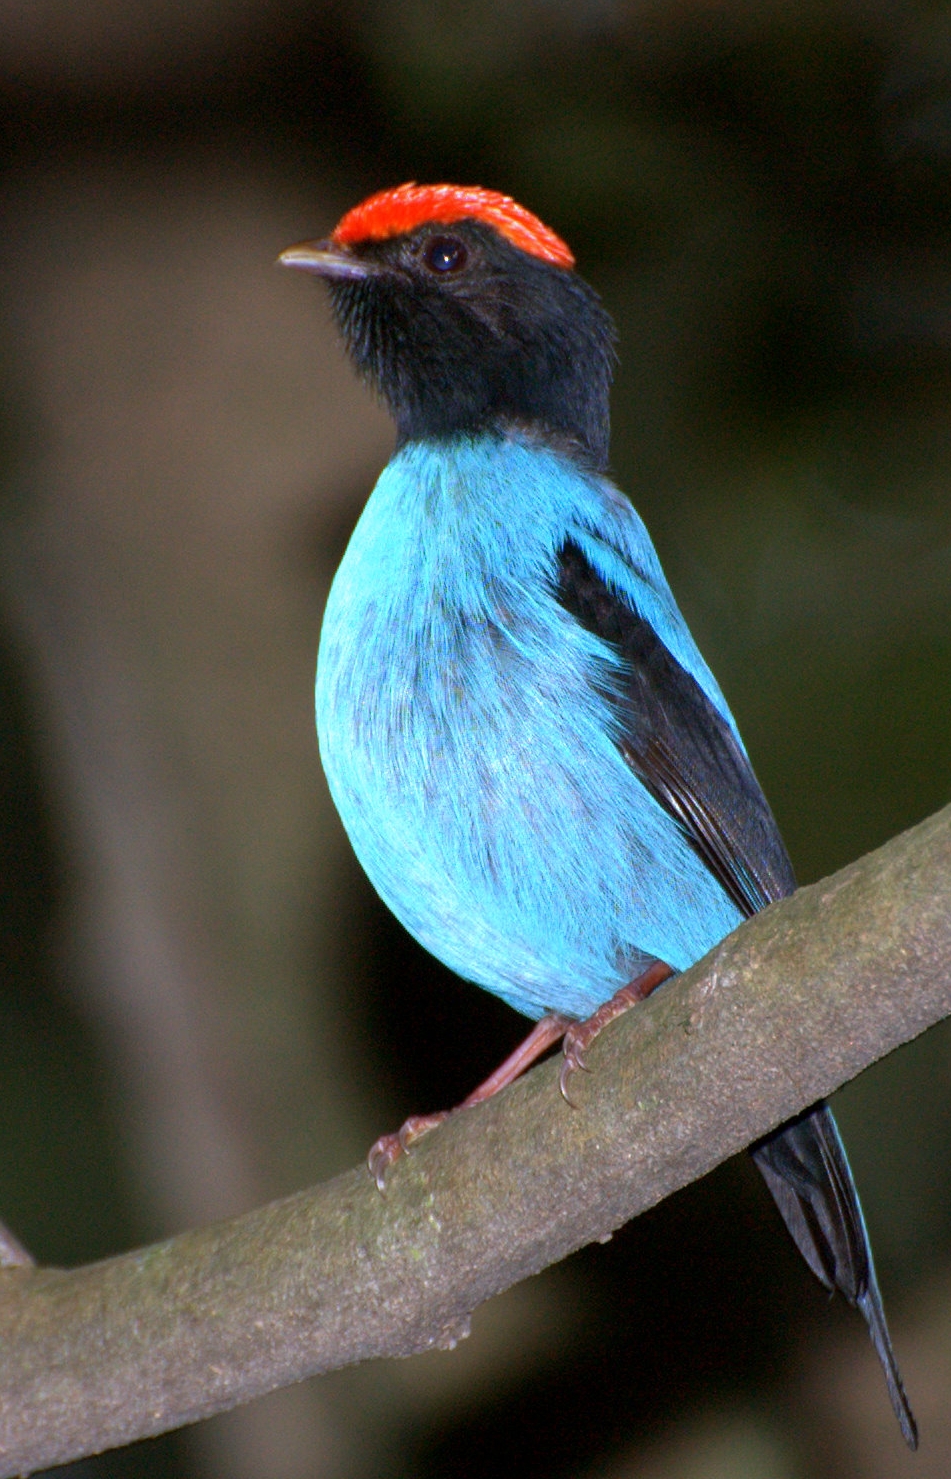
x: 445, y: 254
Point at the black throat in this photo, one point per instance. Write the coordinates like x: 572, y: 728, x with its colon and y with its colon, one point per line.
x: 507, y: 340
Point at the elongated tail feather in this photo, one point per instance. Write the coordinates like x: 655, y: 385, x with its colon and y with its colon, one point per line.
x: 805, y: 1167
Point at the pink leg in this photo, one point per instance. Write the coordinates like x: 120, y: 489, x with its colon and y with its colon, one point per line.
x: 580, y: 1035
x: 390, y: 1147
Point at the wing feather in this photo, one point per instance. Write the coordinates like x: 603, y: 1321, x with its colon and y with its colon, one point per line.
x: 685, y: 751
x: 681, y: 746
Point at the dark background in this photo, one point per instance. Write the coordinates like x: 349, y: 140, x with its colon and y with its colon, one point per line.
x: 203, y: 1004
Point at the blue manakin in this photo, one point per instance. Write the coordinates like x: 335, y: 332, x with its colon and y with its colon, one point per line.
x: 534, y: 763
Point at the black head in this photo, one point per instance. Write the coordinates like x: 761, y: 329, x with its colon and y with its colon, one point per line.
x: 462, y: 330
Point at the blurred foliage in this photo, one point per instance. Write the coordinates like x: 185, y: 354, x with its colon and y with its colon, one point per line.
x: 761, y: 193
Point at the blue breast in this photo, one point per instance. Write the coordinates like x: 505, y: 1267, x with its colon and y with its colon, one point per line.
x: 467, y: 741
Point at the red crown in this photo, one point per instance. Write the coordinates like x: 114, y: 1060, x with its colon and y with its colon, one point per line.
x: 391, y: 212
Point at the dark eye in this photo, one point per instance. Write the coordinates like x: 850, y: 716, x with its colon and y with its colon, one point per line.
x: 445, y: 254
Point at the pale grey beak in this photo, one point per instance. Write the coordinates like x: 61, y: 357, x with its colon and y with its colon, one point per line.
x: 327, y: 260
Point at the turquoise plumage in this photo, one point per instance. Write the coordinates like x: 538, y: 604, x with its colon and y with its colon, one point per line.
x: 468, y: 741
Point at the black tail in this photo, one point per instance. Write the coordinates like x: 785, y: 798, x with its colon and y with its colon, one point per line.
x: 805, y: 1167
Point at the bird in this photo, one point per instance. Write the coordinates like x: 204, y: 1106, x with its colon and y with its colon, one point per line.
x: 535, y: 766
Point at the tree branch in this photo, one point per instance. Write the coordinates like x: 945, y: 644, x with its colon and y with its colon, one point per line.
x: 793, y: 1004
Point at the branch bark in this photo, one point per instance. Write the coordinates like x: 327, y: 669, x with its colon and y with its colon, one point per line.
x: 796, y: 1002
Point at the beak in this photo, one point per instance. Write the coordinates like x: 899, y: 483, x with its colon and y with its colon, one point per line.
x: 327, y: 260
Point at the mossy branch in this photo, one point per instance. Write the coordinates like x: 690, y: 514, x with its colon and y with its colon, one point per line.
x: 793, y: 1004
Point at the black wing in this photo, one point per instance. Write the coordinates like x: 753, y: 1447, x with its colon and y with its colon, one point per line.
x: 681, y: 746
x: 687, y: 756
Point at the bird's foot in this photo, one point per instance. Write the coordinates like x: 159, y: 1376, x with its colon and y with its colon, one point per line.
x: 580, y: 1035
x: 389, y: 1148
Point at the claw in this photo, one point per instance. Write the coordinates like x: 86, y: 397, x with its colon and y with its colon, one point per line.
x: 575, y: 1042
x: 580, y: 1035
x: 383, y: 1153
x: 389, y: 1148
